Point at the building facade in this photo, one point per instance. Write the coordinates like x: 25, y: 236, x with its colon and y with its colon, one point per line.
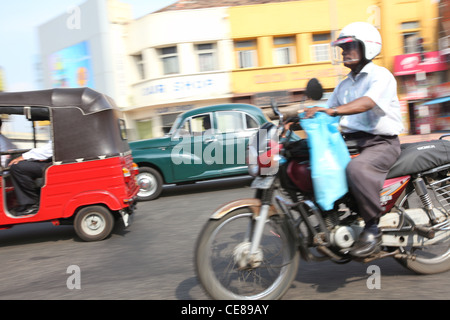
x: 204, y: 52
x: 280, y: 46
x: 180, y: 60
x: 85, y: 47
x: 434, y: 114
x: 269, y: 51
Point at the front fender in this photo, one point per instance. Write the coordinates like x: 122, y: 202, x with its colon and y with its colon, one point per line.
x: 158, y: 159
x: 253, y: 203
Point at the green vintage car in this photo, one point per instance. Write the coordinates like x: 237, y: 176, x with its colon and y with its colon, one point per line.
x: 204, y: 143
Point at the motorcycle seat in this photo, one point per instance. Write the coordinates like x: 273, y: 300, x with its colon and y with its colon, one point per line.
x: 420, y: 156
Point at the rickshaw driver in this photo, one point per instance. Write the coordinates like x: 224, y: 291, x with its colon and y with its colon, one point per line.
x: 24, y: 170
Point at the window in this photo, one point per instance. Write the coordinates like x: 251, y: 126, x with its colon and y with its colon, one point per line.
x: 139, y: 63
x: 206, y: 53
x: 185, y: 128
x: 411, y: 38
x: 229, y: 121
x: 411, y: 42
x: 196, y: 125
x: 200, y: 124
x: 145, y: 129
x: 320, y: 49
x: 167, y: 121
x: 284, y: 51
x: 169, y: 59
x: 410, y: 25
x: 123, y: 129
x: 246, y: 53
x: 232, y: 121
x: 251, y: 122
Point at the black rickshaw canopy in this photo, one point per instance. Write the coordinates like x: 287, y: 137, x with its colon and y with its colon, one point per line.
x: 85, y: 123
x: 88, y: 100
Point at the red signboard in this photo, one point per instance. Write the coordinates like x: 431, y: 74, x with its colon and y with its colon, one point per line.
x: 413, y: 63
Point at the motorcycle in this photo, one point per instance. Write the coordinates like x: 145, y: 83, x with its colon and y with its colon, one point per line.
x: 250, y: 248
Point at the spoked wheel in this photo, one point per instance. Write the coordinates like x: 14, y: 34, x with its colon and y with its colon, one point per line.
x: 225, y: 269
x: 433, y: 258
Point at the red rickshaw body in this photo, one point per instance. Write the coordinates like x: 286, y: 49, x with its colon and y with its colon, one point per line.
x: 92, y: 169
x: 69, y: 187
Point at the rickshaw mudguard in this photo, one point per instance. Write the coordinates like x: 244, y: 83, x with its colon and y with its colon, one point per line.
x: 92, y: 198
x: 253, y: 203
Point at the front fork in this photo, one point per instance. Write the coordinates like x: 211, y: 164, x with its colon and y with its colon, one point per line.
x: 259, y: 228
x: 266, y: 196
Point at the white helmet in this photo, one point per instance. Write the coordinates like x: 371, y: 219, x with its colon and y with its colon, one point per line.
x: 363, y: 32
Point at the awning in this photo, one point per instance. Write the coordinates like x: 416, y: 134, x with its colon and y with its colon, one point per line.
x: 438, y: 100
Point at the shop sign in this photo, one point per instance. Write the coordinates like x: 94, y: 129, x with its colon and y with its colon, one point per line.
x: 413, y: 63
x: 171, y: 89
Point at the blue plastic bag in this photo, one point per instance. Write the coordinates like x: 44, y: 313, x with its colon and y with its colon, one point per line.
x: 329, y: 157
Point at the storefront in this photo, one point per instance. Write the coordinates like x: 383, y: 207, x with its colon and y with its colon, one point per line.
x: 439, y: 106
x: 419, y: 76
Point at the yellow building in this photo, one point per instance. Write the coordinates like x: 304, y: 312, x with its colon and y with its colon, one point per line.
x: 279, y: 46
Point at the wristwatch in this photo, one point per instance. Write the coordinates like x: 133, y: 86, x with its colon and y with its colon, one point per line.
x: 335, y: 113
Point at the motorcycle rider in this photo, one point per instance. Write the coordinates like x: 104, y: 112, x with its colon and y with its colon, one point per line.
x: 368, y: 103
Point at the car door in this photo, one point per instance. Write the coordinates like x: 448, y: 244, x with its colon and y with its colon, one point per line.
x: 196, y: 149
x: 235, y: 128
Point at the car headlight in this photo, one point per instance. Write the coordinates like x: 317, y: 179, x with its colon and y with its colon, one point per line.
x: 253, y: 170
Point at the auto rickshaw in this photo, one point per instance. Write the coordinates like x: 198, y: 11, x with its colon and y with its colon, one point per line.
x: 90, y: 180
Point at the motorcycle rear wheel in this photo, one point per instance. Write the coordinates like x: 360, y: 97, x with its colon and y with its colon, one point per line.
x: 436, y: 257
x: 221, y: 246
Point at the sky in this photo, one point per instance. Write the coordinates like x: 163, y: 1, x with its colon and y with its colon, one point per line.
x: 19, y: 49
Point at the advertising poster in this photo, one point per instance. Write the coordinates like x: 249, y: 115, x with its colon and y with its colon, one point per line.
x: 72, y: 67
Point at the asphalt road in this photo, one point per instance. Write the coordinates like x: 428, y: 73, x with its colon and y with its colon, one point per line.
x: 153, y: 258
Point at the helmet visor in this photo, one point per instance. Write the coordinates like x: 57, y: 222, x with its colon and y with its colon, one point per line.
x: 345, y: 50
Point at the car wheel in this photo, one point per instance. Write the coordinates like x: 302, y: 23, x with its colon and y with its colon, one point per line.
x: 93, y: 223
x: 150, y: 182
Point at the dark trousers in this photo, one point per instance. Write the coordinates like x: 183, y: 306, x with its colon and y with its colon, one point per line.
x: 367, y: 172
x: 23, y: 175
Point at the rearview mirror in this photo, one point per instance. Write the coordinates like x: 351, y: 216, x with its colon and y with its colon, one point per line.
x: 275, y: 110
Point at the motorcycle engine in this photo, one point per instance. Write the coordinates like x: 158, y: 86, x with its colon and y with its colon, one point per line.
x: 344, y: 236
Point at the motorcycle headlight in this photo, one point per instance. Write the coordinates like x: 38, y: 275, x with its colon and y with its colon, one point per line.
x: 260, y: 156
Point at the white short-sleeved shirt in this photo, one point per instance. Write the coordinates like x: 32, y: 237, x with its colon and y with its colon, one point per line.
x: 42, y: 153
x: 379, y: 84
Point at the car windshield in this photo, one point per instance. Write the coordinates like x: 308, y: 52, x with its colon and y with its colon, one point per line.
x: 175, y: 125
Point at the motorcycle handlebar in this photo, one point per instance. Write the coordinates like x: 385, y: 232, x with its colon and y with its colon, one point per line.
x: 294, y: 123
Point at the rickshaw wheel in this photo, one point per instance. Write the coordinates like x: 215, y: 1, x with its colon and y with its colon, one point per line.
x: 93, y: 223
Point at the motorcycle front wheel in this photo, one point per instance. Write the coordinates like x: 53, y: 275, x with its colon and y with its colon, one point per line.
x: 221, y: 263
